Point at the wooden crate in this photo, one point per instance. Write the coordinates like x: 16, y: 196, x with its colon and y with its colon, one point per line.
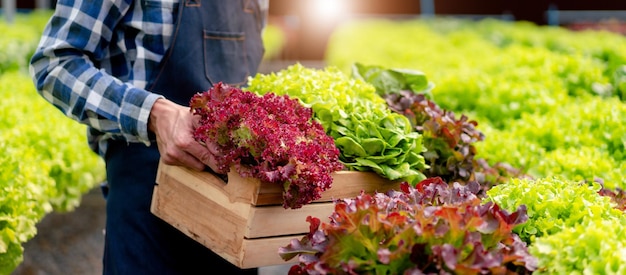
x: 242, y: 219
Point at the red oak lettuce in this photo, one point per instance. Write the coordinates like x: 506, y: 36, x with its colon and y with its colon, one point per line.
x: 434, y: 228
x: 270, y: 137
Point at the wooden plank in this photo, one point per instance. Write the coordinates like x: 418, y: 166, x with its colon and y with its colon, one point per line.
x: 206, y: 221
x: 349, y: 184
x: 237, y: 190
x: 262, y: 193
x: 345, y: 184
x: 264, y: 252
x: 268, y: 221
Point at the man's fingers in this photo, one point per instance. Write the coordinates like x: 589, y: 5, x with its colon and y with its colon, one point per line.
x: 185, y: 160
x: 195, y: 122
x: 174, y: 126
x: 213, y: 148
x: 204, y: 155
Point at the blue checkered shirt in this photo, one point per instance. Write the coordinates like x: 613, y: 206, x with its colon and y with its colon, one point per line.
x: 94, y: 60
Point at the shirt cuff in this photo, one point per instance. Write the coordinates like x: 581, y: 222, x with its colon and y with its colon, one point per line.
x: 135, y: 112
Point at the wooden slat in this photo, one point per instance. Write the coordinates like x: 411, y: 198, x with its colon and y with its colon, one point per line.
x: 204, y: 220
x: 240, y: 189
x: 275, y: 220
x: 208, y: 186
x: 346, y: 184
x: 349, y: 184
x: 264, y: 252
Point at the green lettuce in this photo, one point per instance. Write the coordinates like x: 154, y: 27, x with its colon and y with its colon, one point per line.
x: 46, y: 164
x: 553, y: 204
x: 369, y: 135
x: 597, y: 247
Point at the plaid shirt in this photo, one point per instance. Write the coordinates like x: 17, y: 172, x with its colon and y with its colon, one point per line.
x: 94, y: 60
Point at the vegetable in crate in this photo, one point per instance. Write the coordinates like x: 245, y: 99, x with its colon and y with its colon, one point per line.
x: 272, y: 138
x: 369, y: 135
x: 434, y: 228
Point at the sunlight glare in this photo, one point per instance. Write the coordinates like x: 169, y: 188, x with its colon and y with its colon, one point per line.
x: 328, y: 8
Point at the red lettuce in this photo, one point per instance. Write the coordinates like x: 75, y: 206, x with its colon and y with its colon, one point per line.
x: 434, y: 228
x: 272, y: 138
x: 450, y: 142
x: 617, y: 195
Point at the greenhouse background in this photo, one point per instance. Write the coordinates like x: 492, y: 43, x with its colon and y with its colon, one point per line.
x: 546, y: 80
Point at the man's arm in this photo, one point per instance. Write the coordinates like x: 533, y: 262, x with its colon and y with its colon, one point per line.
x: 64, y: 72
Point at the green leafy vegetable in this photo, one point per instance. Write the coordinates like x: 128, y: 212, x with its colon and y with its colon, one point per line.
x: 391, y: 81
x: 46, y: 164
x: 369, y: 135
x: 597, y: 247
x: 434, y: 228
x: 553, y: 204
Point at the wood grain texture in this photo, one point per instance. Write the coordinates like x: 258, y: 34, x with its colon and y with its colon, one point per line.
x: 243, y: 219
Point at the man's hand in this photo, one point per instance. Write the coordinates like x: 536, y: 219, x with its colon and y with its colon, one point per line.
x: 173, y: 125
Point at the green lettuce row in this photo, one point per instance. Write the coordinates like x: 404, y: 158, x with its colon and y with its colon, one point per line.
x: 369, y: 135
x: 602, y: 46
x: 553, y: 204
x: 584, y: 139
x: 571, y: 228
x: 591, y: 122
x: 19, y: 39
x: 472, y: 73
x: 549, y: 104
x: 598, y: 247
x: 605, y: 47
x: 46, y: 164
x: 23, y: 203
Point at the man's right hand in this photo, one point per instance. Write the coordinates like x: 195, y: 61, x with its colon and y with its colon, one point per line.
x: 173, y: 126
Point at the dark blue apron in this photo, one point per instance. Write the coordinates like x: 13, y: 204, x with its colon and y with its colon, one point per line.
x: 213, y: 41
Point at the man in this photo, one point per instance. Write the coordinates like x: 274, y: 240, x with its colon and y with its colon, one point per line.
x: 127, y: 69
